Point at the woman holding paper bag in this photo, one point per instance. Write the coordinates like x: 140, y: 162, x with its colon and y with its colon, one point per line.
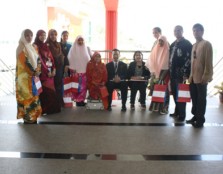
x: 28, y: 104
x: 158, y: 64
x: 78, y: 57
x: 138, y: 75
x: 96, y: 79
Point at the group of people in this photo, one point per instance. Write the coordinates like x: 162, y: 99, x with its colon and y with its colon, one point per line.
x: 171, y: 64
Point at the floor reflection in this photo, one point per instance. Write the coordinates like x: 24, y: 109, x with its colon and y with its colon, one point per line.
x: 113, y: 157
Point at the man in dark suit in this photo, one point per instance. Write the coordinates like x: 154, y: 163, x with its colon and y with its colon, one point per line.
x: 117, y: 74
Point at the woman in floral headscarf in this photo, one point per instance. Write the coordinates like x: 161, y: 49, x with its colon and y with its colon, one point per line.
x: 97, y: 78
x: 78, y: 57
x: 28, y: 104
x: 158, y: 64
x: 48, y: 97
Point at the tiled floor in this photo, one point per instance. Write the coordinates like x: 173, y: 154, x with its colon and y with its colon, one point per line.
x: 101, y: 142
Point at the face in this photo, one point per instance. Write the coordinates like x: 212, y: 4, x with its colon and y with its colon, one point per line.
x: 156, y: 34
x: 161, y: 42
x: 178, y: 32
x: 138, y: 57
x: 28, y: 36
x: 115, y: 55
x: 65, y: 37
x: 80, y: 41
x: 42, y: 37
x: 53, y: 36
x: 97, y: 58
x: 198, y: 33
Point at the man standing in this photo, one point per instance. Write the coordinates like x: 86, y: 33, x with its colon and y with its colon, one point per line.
x: 117, y: 74
x: 180, y: 55
x: 201, y: 74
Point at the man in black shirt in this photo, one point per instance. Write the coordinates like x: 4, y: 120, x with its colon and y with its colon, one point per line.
x: 180, y: 64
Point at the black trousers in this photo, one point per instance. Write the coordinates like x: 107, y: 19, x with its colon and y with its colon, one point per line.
x: 135, y: 86
x: 123, y: 86
x: 180, y: 107
x: 198, y: 95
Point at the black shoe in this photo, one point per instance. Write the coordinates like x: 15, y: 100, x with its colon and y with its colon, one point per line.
x: 180, y: 119
x: 191, y: 121
x: 78, y: 103
x: 197, y: 125
x: 173, y: 115
x: 123, y: 108
x: 109, y: 109
x: 27, y: 122
x: 132, y: 107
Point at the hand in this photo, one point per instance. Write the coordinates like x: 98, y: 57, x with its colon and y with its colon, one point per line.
x: 117, y: 79
x: 184, y: 79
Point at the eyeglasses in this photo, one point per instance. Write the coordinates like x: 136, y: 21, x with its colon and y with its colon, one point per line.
x: 194, y: 53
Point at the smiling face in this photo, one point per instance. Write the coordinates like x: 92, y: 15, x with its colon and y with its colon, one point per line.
x: 178, y: 32
x: 161, y: 42
x: 97, y: 58
x: 115, y: 55
x: 138, y: 57
x: 53, y: 36
x: 80, y: 41
x: 65, y: 37
x: 42, y: 37
x: 28, y: 36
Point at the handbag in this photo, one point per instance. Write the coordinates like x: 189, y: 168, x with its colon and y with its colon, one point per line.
x: 183, y: 93
x: 159, y: 93
x: 68, y: 103
x: 67, y: 85
x: 74, y: 80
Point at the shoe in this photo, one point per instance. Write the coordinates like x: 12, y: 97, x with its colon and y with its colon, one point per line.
x: 197, y: 125
x: 191, y: 121
x: 27, y: 122
x: 143, y: 106
x: 109, y: 108
x: 173, y: 115
x: 78, y: 103
x: 180, y: 119
x: 132, y: 107
x: 123, y: 108
x: 163, y: 112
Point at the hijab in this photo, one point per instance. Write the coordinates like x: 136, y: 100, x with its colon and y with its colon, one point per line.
x: 78, y: 56
x: 159, y: 57
x: 28, y: 49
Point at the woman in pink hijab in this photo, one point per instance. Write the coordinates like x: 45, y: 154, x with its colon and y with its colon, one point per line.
x: 158, y: 64
x: 78, y: 56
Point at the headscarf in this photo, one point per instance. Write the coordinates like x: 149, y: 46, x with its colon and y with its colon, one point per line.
x: 94, y: 56
x: 159, y: 58
x: 28, y: 49
x: 78, y: 56
x: 54, y: 46
x: 43, y: 49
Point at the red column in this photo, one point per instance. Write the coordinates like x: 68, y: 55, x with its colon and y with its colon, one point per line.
x: 111, y: 25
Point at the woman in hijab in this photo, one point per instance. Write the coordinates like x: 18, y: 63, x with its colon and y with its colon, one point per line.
x: 65, y: 46
x: 28, y: 104
x: 158, y: 64
x: 58, y: 57
x: 96, y: 78
x: 78, y: 57
x: 48, y: 97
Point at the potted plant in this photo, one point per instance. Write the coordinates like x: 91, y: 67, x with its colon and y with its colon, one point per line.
x: 220, y: 91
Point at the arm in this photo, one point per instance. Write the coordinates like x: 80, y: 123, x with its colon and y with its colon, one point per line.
x: 208, y: 64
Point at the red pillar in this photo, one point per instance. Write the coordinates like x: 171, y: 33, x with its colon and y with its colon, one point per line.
x: 111, y: 25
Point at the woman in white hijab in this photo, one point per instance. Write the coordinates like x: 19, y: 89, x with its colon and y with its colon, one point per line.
x: 27, y: 67
x: 78, y: 56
